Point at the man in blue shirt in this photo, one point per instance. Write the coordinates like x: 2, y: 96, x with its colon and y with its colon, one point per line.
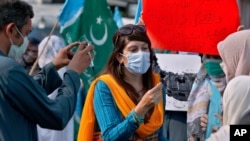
x: 23, y: 99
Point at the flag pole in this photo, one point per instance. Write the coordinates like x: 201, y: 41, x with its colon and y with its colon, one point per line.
x: 45, y: 45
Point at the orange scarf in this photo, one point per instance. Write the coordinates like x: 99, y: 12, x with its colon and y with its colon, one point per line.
x: 124, y: 103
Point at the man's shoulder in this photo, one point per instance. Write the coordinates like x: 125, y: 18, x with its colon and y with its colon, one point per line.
x: 6, y: 63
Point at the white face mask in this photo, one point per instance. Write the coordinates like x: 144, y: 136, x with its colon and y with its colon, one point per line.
x: 139, y: 62
x: 17, y: 51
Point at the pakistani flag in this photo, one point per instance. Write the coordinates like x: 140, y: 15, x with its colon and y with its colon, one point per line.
x: 92, y: 21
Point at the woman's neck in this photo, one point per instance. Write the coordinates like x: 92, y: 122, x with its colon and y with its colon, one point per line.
x: 132, y: 77
x: 134, y: 80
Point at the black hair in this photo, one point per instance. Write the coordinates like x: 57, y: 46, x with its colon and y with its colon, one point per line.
x: 15, y: 11
x: 34, y: 41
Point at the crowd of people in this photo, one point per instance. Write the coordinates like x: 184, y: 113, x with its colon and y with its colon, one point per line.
x: 127, y: 100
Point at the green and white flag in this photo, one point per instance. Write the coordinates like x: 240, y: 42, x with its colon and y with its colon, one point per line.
x: 92, y: 21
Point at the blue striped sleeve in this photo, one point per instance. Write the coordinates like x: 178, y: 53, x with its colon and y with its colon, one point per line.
x: 111, y: 121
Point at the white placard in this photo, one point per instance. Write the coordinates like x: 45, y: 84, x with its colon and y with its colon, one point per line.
x: 178, y: 63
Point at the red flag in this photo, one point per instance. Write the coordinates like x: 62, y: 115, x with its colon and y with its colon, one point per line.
x: 190, y: 25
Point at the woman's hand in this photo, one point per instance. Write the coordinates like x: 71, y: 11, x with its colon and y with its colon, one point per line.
x: 150, y: 99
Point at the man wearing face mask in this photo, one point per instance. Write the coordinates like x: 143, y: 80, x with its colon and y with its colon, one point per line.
x: 17, y: 50
x: 206, y: 98
x: 23, y: 99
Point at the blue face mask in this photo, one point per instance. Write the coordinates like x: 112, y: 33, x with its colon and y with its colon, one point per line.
x: 17, y: 51
x: 138, y: 63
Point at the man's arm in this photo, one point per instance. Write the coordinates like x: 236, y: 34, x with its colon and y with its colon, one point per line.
x: 48, y: 78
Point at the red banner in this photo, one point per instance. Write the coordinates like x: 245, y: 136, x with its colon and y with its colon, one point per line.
x: 190, y: 25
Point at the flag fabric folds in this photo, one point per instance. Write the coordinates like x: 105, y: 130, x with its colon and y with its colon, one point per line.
x: 138, y: 11
x: 70, y: 11
x: 91, y: 21
x: 94, y: 23
x: 118, y: 17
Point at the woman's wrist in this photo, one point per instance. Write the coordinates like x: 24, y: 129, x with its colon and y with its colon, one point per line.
x: 138, y: 119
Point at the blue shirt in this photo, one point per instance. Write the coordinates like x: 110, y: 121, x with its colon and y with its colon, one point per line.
x: 113, y: 125
x: 24, y: 103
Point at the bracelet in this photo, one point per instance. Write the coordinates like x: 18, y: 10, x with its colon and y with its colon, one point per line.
x: 138, y: 119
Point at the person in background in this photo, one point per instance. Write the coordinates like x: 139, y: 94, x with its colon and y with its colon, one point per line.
x: 30, y: 55
x: 234, y: 51
x: 236, y: 107
x: 205, y: 98
x: 24, y: 101
x: 47, y: 54
x: 126, y: 101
